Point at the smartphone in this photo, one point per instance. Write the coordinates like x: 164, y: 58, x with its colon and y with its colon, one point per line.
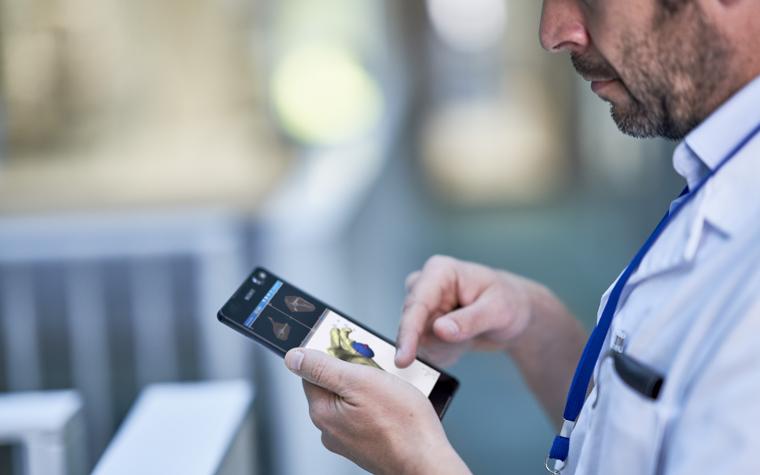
x: 280, y: 316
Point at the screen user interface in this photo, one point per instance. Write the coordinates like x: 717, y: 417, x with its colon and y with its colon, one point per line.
x: 288, y: 319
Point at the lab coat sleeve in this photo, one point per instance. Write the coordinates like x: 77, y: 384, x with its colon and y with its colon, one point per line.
x: 718, y: 431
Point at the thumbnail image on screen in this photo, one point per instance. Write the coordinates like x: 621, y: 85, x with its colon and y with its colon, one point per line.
x: 283, y: 317
x: 343, y: 339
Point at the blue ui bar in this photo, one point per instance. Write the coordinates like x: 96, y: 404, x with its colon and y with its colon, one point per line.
x: 262, y: 304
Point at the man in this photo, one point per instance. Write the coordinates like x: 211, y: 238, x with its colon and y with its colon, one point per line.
x: 689, y: 310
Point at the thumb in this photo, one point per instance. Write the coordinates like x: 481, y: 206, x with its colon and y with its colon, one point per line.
x: 462, y: 324
x: 323, y: 370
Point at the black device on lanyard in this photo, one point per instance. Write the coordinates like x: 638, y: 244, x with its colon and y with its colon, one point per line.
x: 641, y: 378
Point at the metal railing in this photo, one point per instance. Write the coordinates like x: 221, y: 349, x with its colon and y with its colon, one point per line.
x: 108, y: 303
x: 189, y: 428
x: 49, y: 428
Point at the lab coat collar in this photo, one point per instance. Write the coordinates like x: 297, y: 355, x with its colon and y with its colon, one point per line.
x: 724, y: 207
x: 716, y: 136
x: 725, y: 203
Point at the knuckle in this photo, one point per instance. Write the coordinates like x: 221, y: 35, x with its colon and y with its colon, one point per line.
x: 466, y: 330
x: 408, y: 302
x: 414, y: 322
x: 340, y: 381
x: 318, y: 371
x: 438, y: 261
x: 411, y: 279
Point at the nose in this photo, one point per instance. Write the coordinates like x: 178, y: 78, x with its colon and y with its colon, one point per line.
x: 563, y: 27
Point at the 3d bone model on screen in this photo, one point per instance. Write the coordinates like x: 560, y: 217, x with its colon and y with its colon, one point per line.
x: 346, y: 349
x: 280, y: 330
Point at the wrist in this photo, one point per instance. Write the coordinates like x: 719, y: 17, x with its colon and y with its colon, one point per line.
x: 541, y: 305
x: 547, y: 350
x: 441, y: 460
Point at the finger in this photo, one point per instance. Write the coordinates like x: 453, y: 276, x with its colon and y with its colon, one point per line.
x: 316, y: 394
x: 413, y: 323
x: 439, y: 352
x: 424, y: 299
x: 463, y: 324
x: 320, y: 403
x: 411, y: 279
x: 324, y: 370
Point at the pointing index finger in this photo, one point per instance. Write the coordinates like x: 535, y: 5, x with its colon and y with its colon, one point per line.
x: 428, y: 289
x: 413, y: 323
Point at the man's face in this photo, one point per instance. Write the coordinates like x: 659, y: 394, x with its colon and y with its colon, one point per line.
x: 657, y: 66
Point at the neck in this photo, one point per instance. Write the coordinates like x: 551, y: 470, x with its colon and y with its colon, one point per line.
x: 739, y: 23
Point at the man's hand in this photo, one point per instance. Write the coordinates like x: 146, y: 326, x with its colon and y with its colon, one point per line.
x: 452, y: 306
x: 373, y: 418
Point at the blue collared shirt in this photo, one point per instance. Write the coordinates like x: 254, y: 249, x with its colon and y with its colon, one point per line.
x: 692, y: 312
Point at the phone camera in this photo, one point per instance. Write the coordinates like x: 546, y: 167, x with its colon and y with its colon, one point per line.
x: 261, y: 275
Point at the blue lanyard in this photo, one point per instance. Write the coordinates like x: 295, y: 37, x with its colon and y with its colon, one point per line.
x: 579, y: 386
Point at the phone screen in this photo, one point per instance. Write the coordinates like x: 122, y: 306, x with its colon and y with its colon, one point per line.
x: 280, y: 316
x: 287, y: 318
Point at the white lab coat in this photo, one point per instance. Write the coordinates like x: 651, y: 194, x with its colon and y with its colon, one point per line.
x: 691, y: 311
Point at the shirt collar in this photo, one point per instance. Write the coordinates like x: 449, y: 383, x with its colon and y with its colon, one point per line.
x: 723, y: 202
x: 710, y: 142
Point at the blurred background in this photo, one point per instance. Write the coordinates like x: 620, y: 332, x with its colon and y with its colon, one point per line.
x: 153, y: 151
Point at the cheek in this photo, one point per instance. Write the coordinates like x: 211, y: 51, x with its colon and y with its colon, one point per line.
x: 596, y: 16
x: 611, y: 23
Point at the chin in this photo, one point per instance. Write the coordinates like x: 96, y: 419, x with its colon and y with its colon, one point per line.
x: 634, y: 126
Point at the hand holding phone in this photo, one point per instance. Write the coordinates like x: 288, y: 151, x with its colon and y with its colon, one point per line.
x: 373, y: 418
x: 281, y: 317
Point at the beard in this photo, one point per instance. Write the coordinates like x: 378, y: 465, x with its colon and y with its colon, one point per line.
x: 672, y: 74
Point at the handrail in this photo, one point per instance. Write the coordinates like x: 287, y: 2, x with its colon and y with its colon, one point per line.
x: 187, y: 428
x: 49, y: 426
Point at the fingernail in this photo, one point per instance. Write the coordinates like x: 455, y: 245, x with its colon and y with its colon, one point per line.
x: 449, y: 326
x: 400, y: 354
x: 293, y: 360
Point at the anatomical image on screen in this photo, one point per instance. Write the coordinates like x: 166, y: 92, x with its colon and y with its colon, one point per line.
x: 343, y: 339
